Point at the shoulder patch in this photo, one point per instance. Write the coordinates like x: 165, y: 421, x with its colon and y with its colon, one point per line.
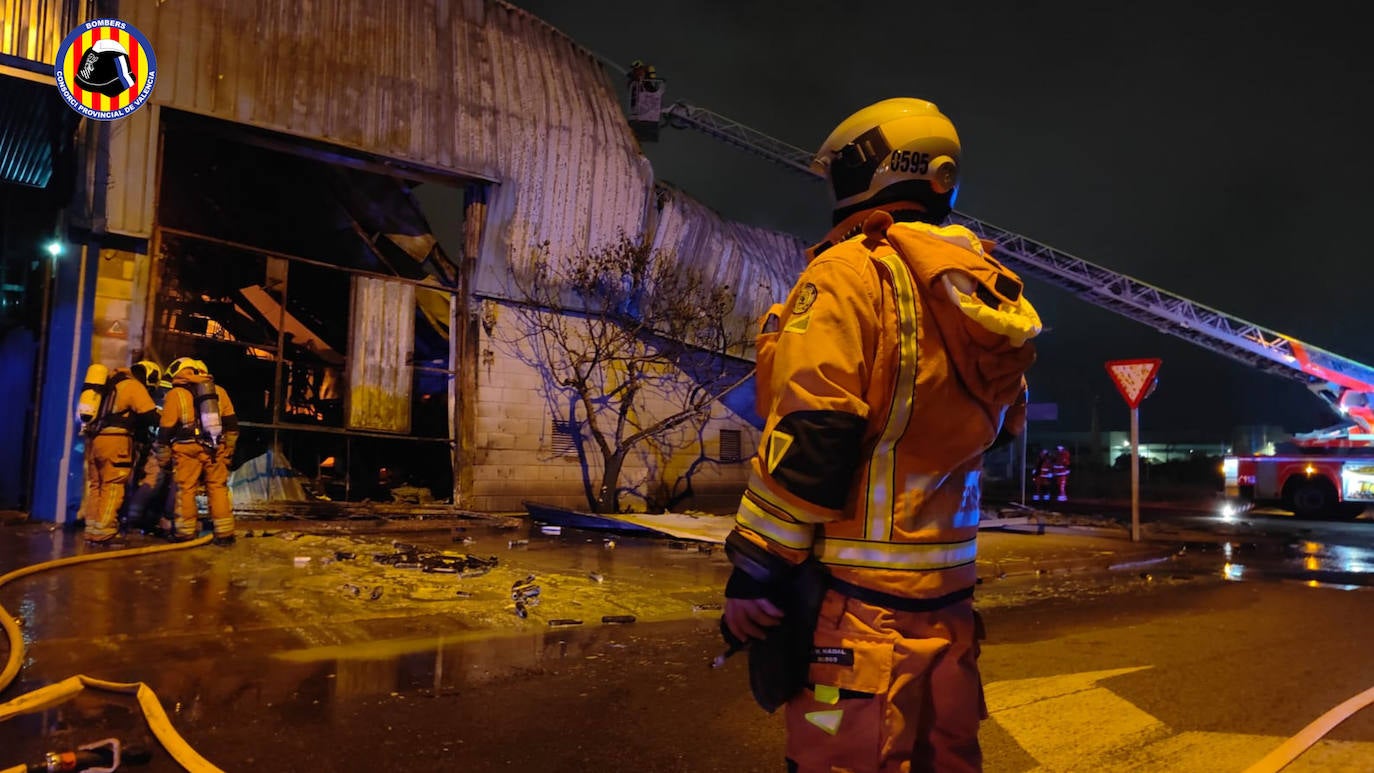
x: 805, y: 298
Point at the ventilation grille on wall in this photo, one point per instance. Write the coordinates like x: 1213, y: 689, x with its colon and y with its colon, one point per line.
x: 730, y: 446
x: 564, y: 437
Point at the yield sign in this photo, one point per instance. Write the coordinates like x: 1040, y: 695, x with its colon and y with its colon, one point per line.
x: 1133, y: 378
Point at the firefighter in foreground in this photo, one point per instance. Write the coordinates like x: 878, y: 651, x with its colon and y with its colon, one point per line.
x: 897, y: 360
x: 114, y: 408
x: 199, y: 431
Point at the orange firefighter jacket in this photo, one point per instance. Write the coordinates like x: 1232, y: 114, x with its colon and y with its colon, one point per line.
x: 179, y: 419
x: 128, y: 408
x: 883, y: 378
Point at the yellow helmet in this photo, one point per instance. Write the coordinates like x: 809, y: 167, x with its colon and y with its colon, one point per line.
x: 901, y: 149
x: 148, y: 372
x: 183, y: 363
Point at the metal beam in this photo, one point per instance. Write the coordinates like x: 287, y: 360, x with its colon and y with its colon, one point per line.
x: 1249, y: 343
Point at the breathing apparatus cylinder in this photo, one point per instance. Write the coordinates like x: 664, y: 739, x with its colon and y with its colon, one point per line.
x: 92, y: 393
x: 207, y: 411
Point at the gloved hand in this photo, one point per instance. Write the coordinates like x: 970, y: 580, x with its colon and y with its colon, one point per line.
x: 751, y: 618
x: 774, y: 611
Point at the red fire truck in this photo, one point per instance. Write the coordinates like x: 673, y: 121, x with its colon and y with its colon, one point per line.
x: 1325, y: 473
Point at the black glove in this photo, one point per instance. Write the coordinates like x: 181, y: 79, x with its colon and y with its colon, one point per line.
x: 780, y: 662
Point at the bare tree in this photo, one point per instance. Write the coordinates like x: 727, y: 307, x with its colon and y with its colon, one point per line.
x: 636, y: 343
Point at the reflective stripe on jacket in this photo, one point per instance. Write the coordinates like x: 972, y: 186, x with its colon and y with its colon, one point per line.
x: 883, y: 379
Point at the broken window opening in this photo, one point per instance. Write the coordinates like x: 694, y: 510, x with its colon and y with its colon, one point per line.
x: 261, y: 254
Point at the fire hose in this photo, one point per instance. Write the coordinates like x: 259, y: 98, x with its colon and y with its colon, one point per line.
x: 65, y: 690
x: 1289, y: 750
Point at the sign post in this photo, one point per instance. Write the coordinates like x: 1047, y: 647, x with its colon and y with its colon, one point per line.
x: 1135, y: 379
x: 1025, y: 462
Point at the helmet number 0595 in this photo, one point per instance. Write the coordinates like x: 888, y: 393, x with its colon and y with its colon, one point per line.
x: 909, y: 161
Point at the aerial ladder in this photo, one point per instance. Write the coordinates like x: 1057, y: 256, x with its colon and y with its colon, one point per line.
x: 1319, y: 472
x: 1344, y: 384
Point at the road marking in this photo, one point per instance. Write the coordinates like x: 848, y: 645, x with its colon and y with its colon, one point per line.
x: 1070, y: 722
x: 1066, y: 721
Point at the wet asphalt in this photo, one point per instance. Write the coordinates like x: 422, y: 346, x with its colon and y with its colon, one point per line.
x: 336, y: 651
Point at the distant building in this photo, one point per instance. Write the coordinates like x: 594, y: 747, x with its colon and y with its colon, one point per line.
x: 1156, y: 447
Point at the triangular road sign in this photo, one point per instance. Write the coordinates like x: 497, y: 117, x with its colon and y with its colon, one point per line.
x: 1133, y: 378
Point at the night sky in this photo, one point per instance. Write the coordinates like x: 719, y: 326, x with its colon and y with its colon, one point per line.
x: 1218, y: 153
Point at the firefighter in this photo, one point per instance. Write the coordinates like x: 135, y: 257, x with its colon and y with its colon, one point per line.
x: 1044, y: 475
x: 151, y: 485
x: 1060, y: 471
x: 897, y: 359
x: 199, y: 431
x: 125, y: 411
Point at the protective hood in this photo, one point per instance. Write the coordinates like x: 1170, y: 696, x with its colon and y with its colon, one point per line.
x: 977, y: 303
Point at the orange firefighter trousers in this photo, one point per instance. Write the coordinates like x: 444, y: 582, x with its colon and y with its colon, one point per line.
x: 193, y: 464
x: 112, y: 459
x: 896, y: 692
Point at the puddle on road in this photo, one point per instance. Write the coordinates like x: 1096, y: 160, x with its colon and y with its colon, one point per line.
x: 1311, y: 563
x: 295, y: 699
x: 270, y: 635
x: 282, y: 579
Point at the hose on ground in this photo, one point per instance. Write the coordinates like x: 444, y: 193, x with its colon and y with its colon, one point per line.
x: 54, y: 694
x: 1289, y: 750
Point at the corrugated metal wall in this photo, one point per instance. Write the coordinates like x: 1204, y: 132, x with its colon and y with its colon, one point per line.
x: 474, y: 87
x: 33, y: 29
x: 760, y: 264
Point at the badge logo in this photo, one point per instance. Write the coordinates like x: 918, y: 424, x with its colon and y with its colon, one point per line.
x: 105, y: 69
x: 805, y: 298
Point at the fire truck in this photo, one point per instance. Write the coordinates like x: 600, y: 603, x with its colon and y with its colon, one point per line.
x: 1328, y: 472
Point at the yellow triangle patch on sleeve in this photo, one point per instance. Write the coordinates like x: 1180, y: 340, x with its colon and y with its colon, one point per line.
x: 829, y: 721
x: 798, y: 324
x: 778, y: 443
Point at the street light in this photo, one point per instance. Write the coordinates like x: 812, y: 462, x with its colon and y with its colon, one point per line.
x: 54, y: 248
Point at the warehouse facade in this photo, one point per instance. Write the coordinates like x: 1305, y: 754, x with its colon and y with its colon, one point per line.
x: 330, y: 220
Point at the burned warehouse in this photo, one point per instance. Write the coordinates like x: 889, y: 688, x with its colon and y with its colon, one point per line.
x: 343, y: 252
